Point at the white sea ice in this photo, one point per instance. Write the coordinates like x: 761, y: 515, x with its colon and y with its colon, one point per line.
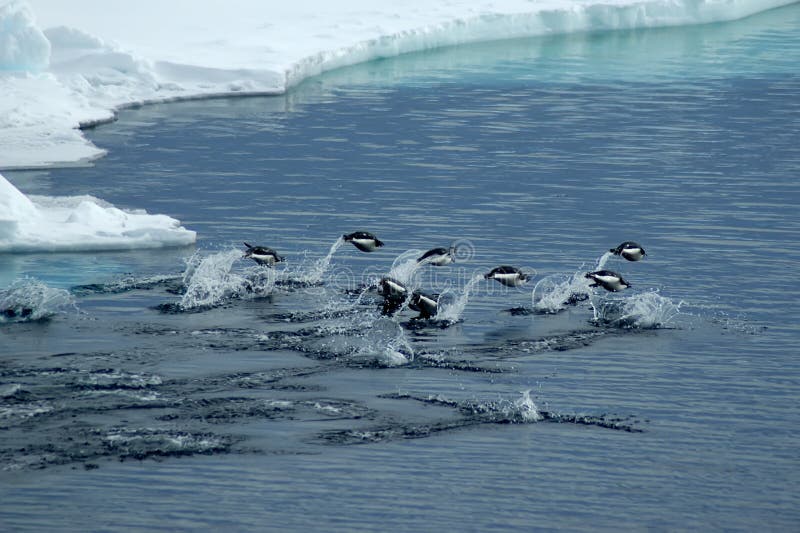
x: 80, y: 223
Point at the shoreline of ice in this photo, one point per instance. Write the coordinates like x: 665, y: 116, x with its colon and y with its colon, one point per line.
x: 71, y: 65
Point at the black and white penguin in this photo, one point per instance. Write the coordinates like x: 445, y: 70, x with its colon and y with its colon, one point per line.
x: 426, y: 304
x: 363, y: 240
x: 438, y: 256
x: 262, y: 255
x: 629, y: 250
x: 394, y: 295
x: 508, y: 275
x: 610, y: 281
x: 390, y: 288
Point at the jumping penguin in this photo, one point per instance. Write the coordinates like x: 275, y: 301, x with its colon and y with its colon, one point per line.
x: 610, y: 281
x: 425, y: 304
x: 363, y: 240
x: 438, y: 256
x: 508, y: 275
x: 262, y: 255
x: 629, y: 250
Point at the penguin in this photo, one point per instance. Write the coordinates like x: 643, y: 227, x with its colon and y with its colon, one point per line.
x: 262, y: 255
x: 394, y: 295
x: 508, y: 275
x: 629, y: 250
x: 363, y: 240
x: 610, y: 281
x: 390, y: 288
x: 426, y: 304
x: 438, y: 256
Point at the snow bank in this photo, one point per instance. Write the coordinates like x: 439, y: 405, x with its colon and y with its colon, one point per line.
x: 80, y: 223
x: 68, y: 63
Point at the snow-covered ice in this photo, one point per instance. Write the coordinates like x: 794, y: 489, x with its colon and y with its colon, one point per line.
x: 55, y: 224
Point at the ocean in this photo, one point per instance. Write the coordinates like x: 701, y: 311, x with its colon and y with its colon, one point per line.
x: 189, y: 388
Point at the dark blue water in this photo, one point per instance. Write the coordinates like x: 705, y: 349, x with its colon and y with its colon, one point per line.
x: 220, y: 394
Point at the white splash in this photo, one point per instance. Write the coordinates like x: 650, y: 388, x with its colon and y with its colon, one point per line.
x: 644, y: 310
x: 526, y: 408
x: 314, y: 272
x: 384, y: 343
x: 392, y: 357
x: 555, y: 292
x: 522, y: 410
x: 30, y: 299
x: 405, y: 268
x: 451, y: 311
x: 601, y: 263
x: 210, y: 280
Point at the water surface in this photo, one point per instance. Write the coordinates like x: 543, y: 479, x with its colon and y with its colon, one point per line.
x: 191, y: 388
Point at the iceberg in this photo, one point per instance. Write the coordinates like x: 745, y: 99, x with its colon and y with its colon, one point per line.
x: 64, y: 65
x: 61, y: 224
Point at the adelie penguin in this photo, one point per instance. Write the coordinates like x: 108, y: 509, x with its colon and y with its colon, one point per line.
x: 508, y: 276
x: 394, y: 295
x: 610, y: 281
x: 363, y: 240
x: 630, y: 250
x: 262, y: 255
x: 391, y: 288
x: 425, y: 304
x: 438, y: 256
